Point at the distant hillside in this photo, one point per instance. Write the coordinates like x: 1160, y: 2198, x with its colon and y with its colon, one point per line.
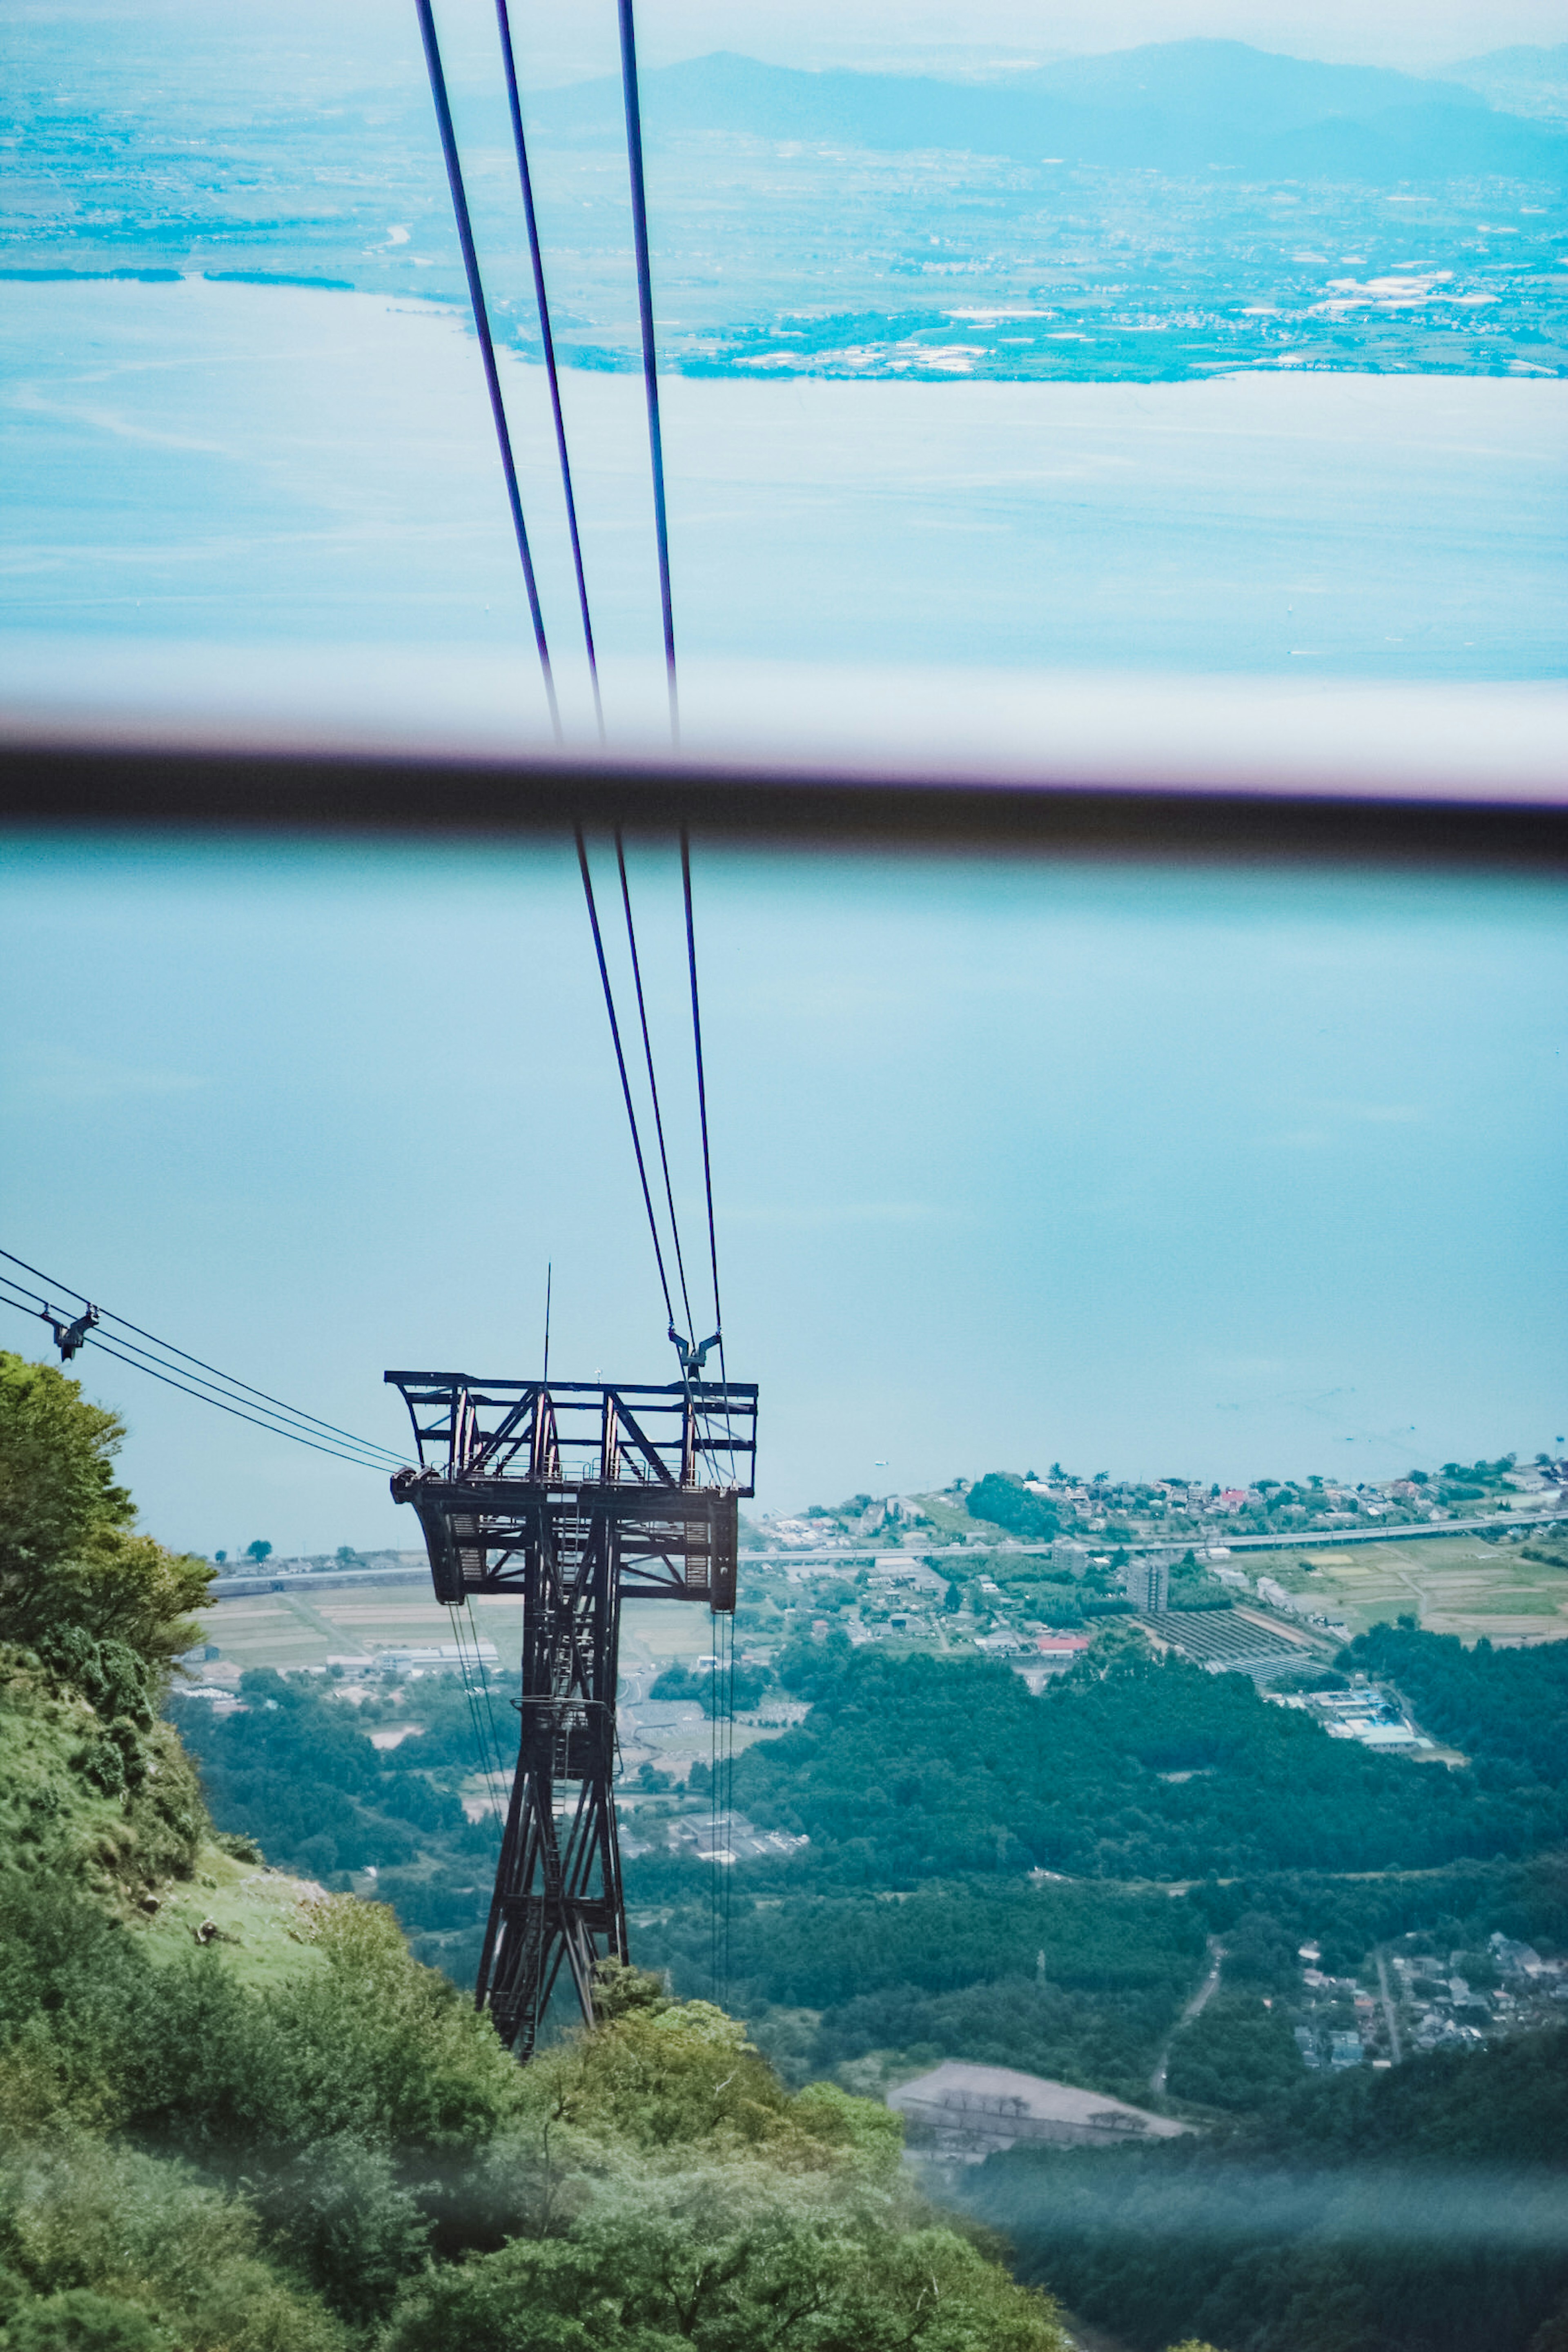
x: 1178, y: 107
x: 1415, y: 2210
x: 1529, y: 81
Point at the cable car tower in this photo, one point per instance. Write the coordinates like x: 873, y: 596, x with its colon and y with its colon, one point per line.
x: 571, y: 1496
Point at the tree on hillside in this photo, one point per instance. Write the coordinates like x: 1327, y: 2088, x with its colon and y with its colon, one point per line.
x: 94, y: 1599
x: 1006, y: 1502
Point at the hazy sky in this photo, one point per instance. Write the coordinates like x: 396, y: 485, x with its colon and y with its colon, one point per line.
x: 1153, y: 1171
x: 847, y: 32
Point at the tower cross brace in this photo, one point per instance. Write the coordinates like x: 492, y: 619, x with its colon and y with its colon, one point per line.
x: 574, y: 1497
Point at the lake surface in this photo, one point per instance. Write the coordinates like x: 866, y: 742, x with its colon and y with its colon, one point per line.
x: 202, y: 465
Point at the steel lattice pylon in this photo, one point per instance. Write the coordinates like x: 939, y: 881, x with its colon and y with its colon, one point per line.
x: 571, y: 1496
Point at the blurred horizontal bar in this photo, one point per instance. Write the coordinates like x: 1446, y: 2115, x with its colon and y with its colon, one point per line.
x: 52, y: 781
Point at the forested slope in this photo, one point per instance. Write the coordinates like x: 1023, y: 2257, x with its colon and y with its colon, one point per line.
x: 1130, y: 1766
x: 1507, y: 1710
x: 1422, y: 2209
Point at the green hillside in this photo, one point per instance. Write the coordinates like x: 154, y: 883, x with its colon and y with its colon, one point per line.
x: 236, y: 2115
x: 1423, y: 2207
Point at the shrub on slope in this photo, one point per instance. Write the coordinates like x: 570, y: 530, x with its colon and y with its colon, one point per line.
x: 91, y: 1617
x: 707, y: 2205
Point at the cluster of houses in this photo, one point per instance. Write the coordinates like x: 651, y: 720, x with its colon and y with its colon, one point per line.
x: 1141, y: 1511
x: 1426, y: 2001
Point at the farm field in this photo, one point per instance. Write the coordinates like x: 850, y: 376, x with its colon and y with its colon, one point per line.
x: 1461, y: 1584
x: 297, y: 1628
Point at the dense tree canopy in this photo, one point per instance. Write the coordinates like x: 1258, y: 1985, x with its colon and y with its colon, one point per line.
x: 110, y: 1608
x: 915, y: 1768
x: 313, y: 2145
x: 742, y: 1687
x: 1508, y: 1709
x: 1003, y: 1500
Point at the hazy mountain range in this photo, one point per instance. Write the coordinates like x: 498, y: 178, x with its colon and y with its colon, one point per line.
x: 1532, y: 81
x: 1153, y: 213
x: 1174, y: 107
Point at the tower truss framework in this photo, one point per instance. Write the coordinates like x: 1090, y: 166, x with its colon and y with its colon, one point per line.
x: 571, y: 1495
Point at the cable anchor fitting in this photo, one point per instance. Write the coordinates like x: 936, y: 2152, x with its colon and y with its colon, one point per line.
x: 691, y: 1359
x: 69, y: 1337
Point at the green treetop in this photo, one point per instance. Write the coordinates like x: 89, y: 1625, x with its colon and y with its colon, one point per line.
x: 93, y: 1598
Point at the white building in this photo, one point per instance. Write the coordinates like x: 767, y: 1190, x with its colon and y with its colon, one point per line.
x: 969, y: 2111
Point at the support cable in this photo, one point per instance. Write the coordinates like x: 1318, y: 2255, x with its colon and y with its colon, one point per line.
x: 455, y: 1612
x: 725, y: 1672
x: 141, y: 1363
x: 729, y: 1915
x: 653, y: 1082
x: 469, y: 1693
x: 167, y: 1347
x: 357, y: 1460
x: 621, y: 1066
x: 701, y: 1087
x: 713, y: 1862
x: 486, y: 345
x: 702, y: 1112
x: 536, y: 257
x: 494, y: 1744
x: 649, y: 351
x: 489, y: 1704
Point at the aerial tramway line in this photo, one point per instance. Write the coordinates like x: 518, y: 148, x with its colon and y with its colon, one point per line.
x: 577, y: 1495
x: 574, y: 1497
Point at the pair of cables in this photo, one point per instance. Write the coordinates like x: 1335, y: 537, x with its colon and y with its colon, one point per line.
x: 721, y: 1810
x: 482, y: 1722
x: 480, y: 308
x: 638, y: 1152
x: 143, y: 1351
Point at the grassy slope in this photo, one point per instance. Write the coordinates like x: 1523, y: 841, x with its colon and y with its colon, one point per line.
x: 147, y: 1854
x: 263, y: 1918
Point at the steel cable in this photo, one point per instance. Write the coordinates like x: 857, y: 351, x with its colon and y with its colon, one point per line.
x: 536, y: 257
x: 702, y: 1083
x: 273, y: 1428
x: 702, y: 1114
x: 727, y: 1758
x: 481, y: 1758
x: 166, y: 1347
x: 487, y: 1754
x: 486, y: 345
x: 621, y: 1066
x: 713, y: 1864
x: 653, y: 1083
x: 649, y: 352
x: 496, y: 1747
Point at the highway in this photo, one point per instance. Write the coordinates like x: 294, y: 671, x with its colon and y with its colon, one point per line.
x: 1313, y: 1538
x: 234, y: 1586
